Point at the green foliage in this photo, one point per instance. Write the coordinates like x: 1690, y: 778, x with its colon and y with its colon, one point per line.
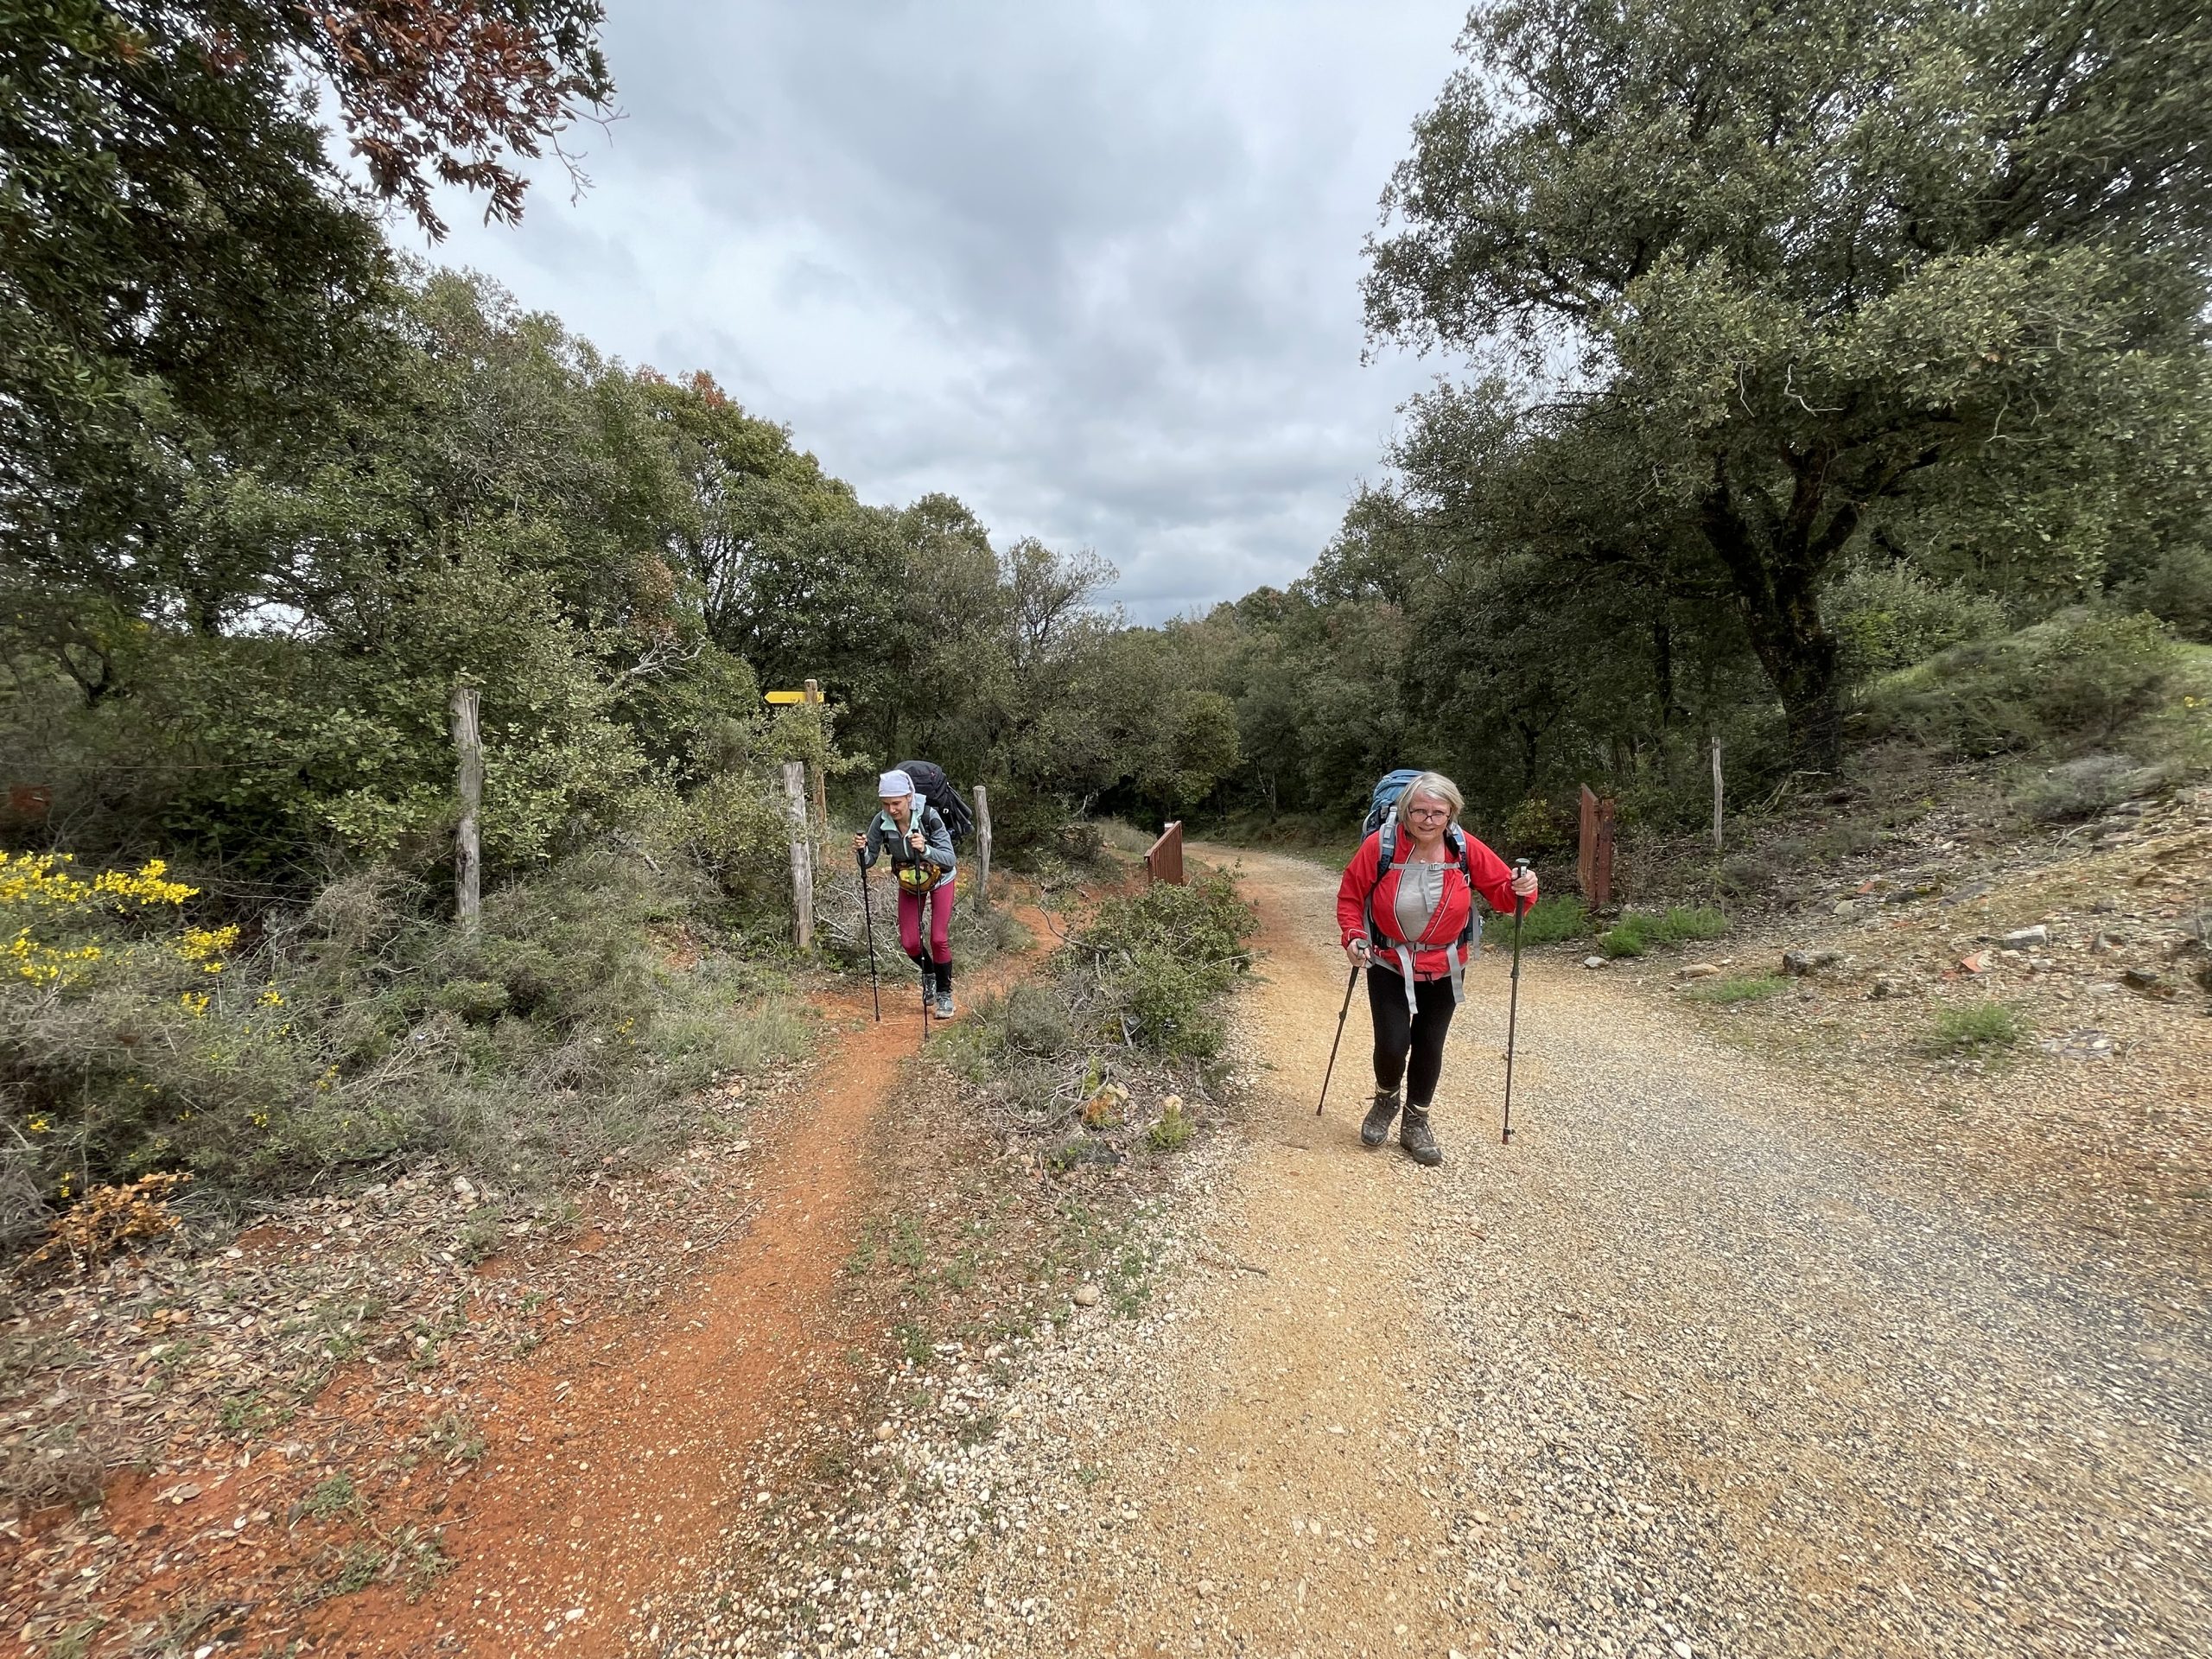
x: 562, y: 1038
x: 1630, y: 938
x: 1173, y: 1129
x: 333, y: 1497
x: 1638, y: 932
x: 1163, y: 956
x: 1036, y: 1021
x: 2076, y: 679
x: 1552, y: 917
x: 2083, y: 787
x: 1976, y: 1028
x: 2178, y: 589
x: 195, y: 297
x: 1887, y: 617
x: 1804, y: 269
x: 1726, y: 993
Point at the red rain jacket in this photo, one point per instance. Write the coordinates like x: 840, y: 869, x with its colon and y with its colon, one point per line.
x: 1450, y: 919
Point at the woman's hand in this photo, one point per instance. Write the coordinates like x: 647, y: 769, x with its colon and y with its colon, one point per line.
x: 915, y: 839
x: 1356, y: 952
x: 1524, y: 882
x: 860, y: 841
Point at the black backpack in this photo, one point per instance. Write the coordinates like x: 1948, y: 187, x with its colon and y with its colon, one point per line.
x: 933, y: 786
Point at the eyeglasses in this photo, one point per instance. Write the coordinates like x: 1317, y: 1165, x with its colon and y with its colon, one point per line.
x: 1430, y: 812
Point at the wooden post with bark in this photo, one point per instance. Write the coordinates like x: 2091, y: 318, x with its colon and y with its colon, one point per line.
x: 982, y: 845
x: 467, y: 857
x: 821, y: 807
x: 802, y: 853
x: 1716, y: 794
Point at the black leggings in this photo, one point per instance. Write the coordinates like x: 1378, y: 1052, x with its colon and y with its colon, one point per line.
x: 1398, y: 1034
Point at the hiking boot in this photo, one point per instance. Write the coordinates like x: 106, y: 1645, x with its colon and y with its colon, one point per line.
x: 1375, y: 1128
x: 944, y: 1004
x: 1413, y: 1134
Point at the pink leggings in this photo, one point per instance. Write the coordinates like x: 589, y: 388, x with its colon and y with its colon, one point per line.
x: 939, y: 899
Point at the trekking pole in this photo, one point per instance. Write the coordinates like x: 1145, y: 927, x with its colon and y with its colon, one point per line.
x: 1513, y: 1005
x: 1341, y: 1013
x: 867, y: 913
x: 925, y: 975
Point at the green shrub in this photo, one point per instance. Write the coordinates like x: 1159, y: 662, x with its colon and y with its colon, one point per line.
x: 1630, y: 937
x: 2078, y: 679
x: 2178, y: 589
x: 1538, y: 824
x: 1682, y: 925
x: 1165, y: 1000
x: 1637, y: 932
x: 562, y: 1037
x: 1751, y: 989
x: 1173, y: 1129
x: 1035, y: 1021
x: 1886, y: 616
x: 2084, y: 787
x: 1976, y: 1028
x: 1556, y: 916
x: 1163, y: 956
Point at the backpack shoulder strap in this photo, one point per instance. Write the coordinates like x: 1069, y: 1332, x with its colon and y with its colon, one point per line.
x: 1463, y: 844
x: 1387, y: 847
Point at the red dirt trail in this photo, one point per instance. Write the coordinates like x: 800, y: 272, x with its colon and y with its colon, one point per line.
x: 621, y: 1452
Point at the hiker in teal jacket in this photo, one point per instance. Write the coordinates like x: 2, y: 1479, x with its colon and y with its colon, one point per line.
x: 909, y: 830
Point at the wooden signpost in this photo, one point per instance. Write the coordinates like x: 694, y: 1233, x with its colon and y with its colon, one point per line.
x: 810, y: 697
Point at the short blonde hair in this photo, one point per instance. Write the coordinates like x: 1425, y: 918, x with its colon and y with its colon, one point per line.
x: 1436, y: 784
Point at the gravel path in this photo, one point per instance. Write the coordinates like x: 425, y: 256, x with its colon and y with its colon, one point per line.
x: 1680, y: 1373
x: 1686, y: 1371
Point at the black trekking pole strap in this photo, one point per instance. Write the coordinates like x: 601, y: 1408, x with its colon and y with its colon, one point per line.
x: 1341, y: 1013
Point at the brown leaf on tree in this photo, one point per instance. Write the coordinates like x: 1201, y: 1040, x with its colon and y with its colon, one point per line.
x: 444, y: 91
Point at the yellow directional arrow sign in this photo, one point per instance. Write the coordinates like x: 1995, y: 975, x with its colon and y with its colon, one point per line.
x: 785, y: 697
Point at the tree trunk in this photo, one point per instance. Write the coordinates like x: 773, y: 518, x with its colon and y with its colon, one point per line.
x: 1775, y: 562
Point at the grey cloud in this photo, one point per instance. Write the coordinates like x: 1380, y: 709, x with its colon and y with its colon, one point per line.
x: 1091, y: 268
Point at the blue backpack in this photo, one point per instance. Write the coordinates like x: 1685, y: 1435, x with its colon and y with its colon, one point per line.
x: 1383, y: 805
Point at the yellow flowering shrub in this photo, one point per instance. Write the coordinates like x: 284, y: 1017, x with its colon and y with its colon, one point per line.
x: 361, y: 1027
x: 54, y: 907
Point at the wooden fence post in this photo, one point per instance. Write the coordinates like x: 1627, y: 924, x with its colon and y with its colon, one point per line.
x: 821, y: 808
x: 467, y: 861
x: 1716, y: 794
x: 982, y: 845
x: 802, y: 853
x: 1595, y: 865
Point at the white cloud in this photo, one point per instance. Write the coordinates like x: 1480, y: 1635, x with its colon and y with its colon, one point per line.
x: 1091, y: 268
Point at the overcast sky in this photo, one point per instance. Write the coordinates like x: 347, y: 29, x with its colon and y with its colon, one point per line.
x: 1091, y: 268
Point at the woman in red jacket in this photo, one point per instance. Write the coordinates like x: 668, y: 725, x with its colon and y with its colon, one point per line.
x: 1412, y: 923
